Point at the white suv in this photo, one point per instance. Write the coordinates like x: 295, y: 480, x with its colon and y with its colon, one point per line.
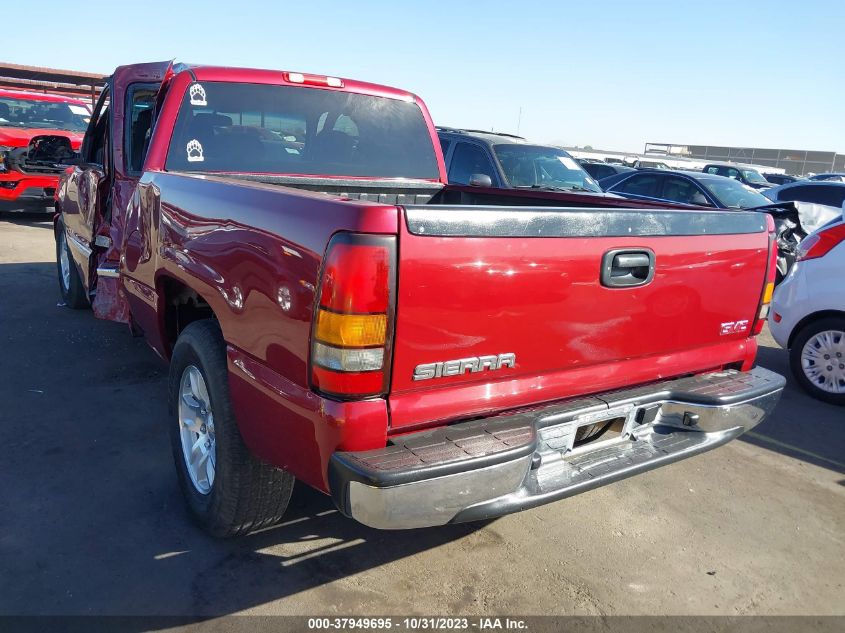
x: 808, y: 313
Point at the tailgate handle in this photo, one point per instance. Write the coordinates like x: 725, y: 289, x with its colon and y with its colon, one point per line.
x: 627, y: 268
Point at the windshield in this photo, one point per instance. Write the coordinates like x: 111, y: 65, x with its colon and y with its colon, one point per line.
x: 272, y: 129
x: 48, y: 115
x: 543, y: 167
x: 753, y: 176
x: 734, y: 194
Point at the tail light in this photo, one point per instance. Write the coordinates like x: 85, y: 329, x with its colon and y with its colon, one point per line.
x: 769, y: 286
x: 820, y: 243
x: 353, y: 320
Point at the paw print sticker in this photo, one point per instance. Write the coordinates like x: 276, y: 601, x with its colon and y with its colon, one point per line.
x: 194, y: 150
x: 197, y: 95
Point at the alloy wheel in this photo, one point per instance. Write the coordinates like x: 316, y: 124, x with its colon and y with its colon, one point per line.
x: 196, y: 430
x: 823, y: 361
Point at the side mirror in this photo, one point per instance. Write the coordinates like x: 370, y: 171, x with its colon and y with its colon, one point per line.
x: 480, y: 180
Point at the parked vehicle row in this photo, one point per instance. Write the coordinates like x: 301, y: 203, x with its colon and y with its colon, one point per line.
x: 333, y: 311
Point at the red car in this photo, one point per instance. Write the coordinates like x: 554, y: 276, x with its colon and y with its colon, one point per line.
x: 424, y: 353
x: 27, y: 181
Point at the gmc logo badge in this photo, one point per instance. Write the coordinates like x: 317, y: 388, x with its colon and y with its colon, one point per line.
x: 460, y: 366
x: 733, y: 327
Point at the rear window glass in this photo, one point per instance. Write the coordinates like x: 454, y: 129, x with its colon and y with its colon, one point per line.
x: 251, y: 128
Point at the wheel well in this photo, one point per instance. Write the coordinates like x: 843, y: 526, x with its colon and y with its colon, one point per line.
x: 182, y: 305
x: 815, y: 316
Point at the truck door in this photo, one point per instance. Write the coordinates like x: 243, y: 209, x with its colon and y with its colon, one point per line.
x: 100, y: 187
x: 87, y: 188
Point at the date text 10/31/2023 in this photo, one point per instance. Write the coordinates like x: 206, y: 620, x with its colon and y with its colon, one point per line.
x: 418, y: 624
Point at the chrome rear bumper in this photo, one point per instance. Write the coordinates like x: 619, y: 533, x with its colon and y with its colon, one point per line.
x: 494, y: 466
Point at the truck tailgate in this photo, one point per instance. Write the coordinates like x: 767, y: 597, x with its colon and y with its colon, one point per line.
x: 477, y: 285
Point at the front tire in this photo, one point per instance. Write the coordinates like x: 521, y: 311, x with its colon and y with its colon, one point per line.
x: 228, y: 490
x: 817, y: 359
x: 70, y: 284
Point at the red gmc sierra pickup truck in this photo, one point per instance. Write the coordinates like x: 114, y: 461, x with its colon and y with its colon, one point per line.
x: 425, y: 354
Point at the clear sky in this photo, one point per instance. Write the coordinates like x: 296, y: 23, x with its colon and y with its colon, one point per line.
x: 611, y: 74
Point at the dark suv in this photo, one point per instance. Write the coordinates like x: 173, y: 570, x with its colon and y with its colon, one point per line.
x: 488, y: 159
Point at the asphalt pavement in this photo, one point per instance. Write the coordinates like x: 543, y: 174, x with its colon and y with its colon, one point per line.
x: 92, y: 522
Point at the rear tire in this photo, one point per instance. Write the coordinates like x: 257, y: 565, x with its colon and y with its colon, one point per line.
x: 823, y: 378
x: 70, y: 284
x: 238, y: 493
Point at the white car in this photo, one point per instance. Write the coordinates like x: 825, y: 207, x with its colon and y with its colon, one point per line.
x: 807, y: 313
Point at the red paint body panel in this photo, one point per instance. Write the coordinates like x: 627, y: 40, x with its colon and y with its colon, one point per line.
x: 433, y: 406
x: 223, y: 239
x: 541, y: 299
x: 287, y: 425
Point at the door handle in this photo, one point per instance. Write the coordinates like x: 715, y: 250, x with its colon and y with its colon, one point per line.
x: 631, y: 260
x: 627, y: 268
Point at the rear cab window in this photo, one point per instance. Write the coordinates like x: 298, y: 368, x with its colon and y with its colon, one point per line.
x: 277, y: 129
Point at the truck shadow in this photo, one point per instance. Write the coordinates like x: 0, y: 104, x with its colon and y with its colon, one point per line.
x: 801, y: 427
x: 92, y: 516
x: 315, y: 547
x: 37, y: 220
x: 93, y: 521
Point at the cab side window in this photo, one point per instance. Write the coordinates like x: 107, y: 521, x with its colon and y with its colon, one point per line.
x: 682, y: 191
x: 444, y: 147
x: 646, y: 185
x: 469, y: 159
x: 140, y: 100
x: 94, y: 149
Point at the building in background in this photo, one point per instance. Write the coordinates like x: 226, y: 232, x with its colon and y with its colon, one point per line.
x: 798, y: 162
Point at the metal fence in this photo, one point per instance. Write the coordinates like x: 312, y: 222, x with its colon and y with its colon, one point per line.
x: 793, y: 161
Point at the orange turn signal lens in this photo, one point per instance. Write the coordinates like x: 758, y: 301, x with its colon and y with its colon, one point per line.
x: 351, y: 330
x: 768, y: 292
